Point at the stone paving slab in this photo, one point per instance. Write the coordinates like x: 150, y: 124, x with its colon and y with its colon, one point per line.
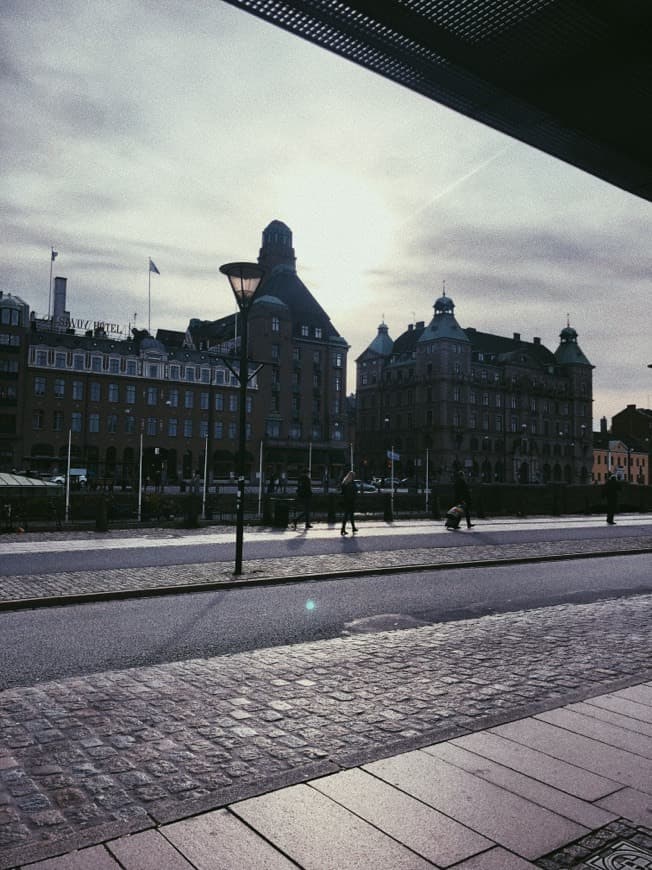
x: 126, y: 750
x: 34, y: 587
x: 424, y: 830
x: 612, y: 762
x: 506, y: 818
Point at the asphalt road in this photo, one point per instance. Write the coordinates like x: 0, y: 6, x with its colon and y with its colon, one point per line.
x: 49, y: 644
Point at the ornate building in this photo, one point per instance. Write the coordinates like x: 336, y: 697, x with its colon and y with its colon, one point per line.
x: 502, y: 409
x: 176, y: 394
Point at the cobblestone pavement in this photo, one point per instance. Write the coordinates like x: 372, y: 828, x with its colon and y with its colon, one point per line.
x: 76, y: 583
x: 86, y: 758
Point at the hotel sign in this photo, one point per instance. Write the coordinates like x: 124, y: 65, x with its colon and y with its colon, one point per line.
x: 77, y: 323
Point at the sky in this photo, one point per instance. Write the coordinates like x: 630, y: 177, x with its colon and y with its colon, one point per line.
x: 179, y: 131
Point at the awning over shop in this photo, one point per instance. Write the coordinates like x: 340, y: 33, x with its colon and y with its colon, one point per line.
x: 19, y: 481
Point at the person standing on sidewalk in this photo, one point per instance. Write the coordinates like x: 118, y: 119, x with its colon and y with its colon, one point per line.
x: 462, y: 496
x: 304, y: 496
x: 349, y: 493
x: 610, y: 492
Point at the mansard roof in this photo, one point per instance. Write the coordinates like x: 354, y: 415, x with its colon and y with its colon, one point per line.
x: 284, y: 284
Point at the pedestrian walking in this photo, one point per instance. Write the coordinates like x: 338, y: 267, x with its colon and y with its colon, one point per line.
x: 462, y: 496
x: 610, y: 491
x: 304, y: 496
x: 349, y: 493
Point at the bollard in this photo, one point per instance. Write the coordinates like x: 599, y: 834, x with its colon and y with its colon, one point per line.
x: 388, y: 516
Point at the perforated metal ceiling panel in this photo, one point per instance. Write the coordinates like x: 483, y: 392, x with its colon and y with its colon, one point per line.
x: 571, y: 77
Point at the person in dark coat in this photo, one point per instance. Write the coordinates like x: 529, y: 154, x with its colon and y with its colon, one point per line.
x: 462, y: 496
x: 611, y: 490
x: 349, y: 493
x: 304, y: 497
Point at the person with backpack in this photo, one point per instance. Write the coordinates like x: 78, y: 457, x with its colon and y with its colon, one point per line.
x: 304, y: 496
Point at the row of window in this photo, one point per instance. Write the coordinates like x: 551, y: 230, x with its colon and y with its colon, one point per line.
x: 295, y: 431
x: 10, y: 317
x: 533, y: 427
x: 127, y: 393
x: 110, y: 424
x: 615, y: 458
x: 400, y: 375
x: 10, y: 339
x: 304, y: 329
x: 132, y: 367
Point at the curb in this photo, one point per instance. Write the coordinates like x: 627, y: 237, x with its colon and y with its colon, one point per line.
x: 233, y: 583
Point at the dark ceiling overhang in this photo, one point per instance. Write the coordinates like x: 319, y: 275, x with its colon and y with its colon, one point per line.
x: 570, y: 77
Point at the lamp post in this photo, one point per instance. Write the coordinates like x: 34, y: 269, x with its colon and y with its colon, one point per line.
x: 244, y: 279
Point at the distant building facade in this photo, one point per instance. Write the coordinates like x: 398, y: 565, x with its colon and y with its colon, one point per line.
x: 613, y: 456
x: 177, y: 392
x: 14, y: 324
x: 501, y: 409
x: 625, y: 450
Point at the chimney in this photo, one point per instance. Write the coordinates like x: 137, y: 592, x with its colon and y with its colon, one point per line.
x: 536, y: 339
x: 517, y: 336
x: 59, y: 313
x: 603, y: 425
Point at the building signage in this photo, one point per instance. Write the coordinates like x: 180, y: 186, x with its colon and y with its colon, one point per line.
x: 85, y: 325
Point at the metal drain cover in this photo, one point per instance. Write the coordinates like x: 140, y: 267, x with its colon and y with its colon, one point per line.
x: 621, y: 855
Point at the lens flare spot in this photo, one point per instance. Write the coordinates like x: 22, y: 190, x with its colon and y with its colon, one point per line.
x: 310, y: 604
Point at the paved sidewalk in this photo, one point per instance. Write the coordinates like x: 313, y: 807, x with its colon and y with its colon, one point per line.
x: 357, y: 557
x: 88, y: 760
x: 569, y: 788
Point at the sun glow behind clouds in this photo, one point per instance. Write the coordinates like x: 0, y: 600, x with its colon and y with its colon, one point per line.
x: 342, y: 231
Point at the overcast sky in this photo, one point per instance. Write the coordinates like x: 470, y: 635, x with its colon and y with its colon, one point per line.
x: 178, y: 131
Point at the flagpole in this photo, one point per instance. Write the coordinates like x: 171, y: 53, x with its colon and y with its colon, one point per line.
x: 149, y: 299
x: 392, y: 480
x: 260, y: 480
x: 53, y: 256
x: 427, y: 477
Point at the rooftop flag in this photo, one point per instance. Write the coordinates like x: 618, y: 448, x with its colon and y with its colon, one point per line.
x: 152, y: 266
x: 55, y: 254
x: 395, y: 457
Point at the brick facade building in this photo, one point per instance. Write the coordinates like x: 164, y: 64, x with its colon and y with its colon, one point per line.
x: 176, y: 393
x: 502, y: 409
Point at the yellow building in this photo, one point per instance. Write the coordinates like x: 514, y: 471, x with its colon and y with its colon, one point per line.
x: 612, y: 456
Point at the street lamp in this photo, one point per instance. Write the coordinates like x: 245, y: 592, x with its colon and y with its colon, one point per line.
x: 244, y: 279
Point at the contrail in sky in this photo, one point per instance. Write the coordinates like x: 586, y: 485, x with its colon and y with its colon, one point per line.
x: 457, y: 182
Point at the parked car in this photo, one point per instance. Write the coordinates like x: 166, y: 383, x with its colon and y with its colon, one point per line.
x: 60, y: 478
x: 364, y: 487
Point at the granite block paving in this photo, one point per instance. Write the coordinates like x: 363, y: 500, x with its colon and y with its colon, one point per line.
x: 123, y: 751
